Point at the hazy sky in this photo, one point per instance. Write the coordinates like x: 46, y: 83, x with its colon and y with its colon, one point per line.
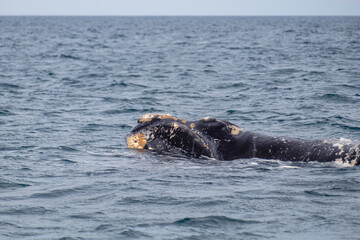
x: 180, y: 7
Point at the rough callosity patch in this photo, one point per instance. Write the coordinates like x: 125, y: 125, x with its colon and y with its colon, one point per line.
x: 150, y: 116
x: 172, y: 132
x: 137, y: 141
x: 175, y: 125
x: 209, y: 119
x: 235, y: 130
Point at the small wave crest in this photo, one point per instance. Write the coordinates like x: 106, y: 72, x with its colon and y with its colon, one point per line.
x: 10, y: 184
x: 10, y: 86
x: 215, y: 220
x: 56, y: 193
x: 113, y: 153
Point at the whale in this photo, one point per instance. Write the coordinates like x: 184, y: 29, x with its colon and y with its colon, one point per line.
x: 222, y: 140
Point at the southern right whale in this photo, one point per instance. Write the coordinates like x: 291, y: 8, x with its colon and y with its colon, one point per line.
x: 223, y: 140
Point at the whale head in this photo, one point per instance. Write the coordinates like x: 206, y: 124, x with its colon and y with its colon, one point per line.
x: 165, y: 133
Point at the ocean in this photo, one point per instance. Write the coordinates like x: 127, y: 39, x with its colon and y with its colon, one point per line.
x: 71, y: 88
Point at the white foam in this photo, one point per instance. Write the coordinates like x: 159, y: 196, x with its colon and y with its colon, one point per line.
x: 288, y: 167
x: 339, y: 142
x: 342, y: 164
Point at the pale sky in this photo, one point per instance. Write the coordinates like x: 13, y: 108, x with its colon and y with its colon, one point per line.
x: 180, y: 7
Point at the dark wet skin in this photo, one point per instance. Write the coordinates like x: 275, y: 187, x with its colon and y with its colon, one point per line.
x: 223, y: 140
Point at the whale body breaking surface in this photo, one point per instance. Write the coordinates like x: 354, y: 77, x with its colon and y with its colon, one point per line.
x: 222, y: 140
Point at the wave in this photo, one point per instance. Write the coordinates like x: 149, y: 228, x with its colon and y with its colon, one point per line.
x: 10, y: 86
x: 23, y: 210
x: 212, y: 221
x: 69, y: 56
x: 127, y: 84
x: 130, y: 110
x: 5, y: 112
x: 337, y: 98
x: 5, y: 184
x: 57, y: 193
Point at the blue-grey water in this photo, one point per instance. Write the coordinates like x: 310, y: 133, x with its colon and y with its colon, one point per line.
x: 71, y: 88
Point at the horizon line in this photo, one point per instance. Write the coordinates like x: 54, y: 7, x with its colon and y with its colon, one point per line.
x: 184, y: 15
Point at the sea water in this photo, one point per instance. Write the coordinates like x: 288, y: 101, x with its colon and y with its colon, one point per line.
x: 71, y: 88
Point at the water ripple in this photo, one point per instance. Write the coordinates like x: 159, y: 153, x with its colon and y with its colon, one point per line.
x: 212, y: 221
x: 71, y: 88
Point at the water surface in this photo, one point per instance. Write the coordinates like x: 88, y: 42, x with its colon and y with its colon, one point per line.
x: 72, y: 87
